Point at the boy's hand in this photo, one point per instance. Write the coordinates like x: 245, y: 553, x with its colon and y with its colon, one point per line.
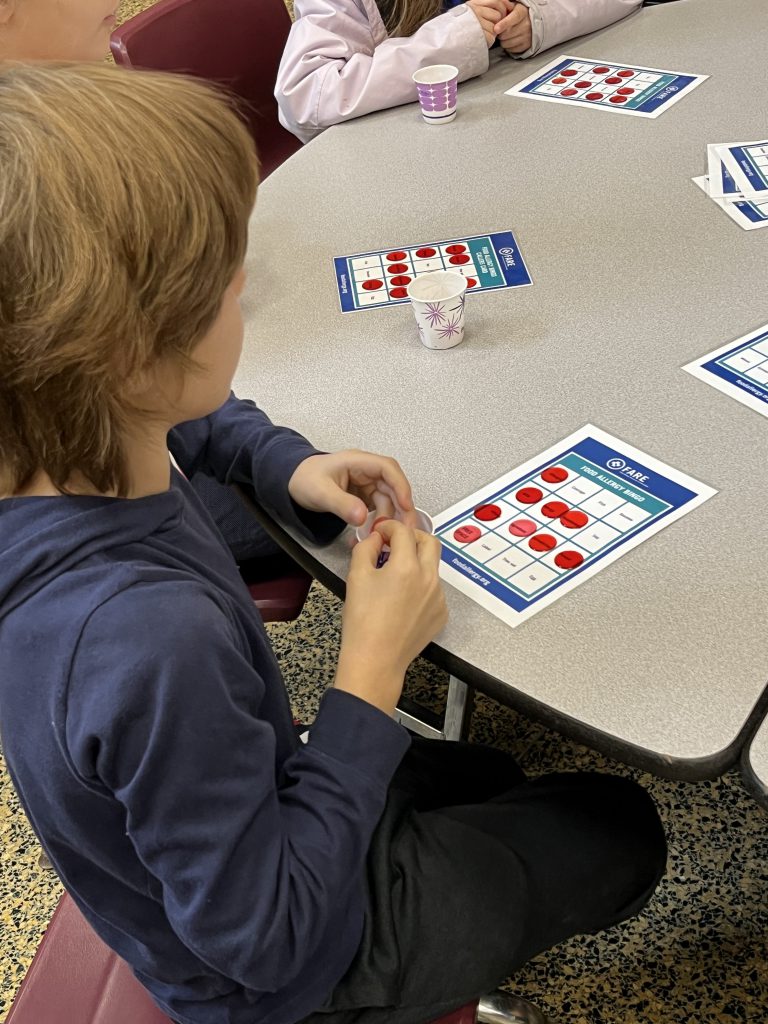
x: 514, y: 31
x: 351, y: 482
x: 489, y: 13
x: 390, y: 614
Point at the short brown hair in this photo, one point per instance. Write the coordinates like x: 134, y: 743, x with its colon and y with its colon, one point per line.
x: 124, y: 206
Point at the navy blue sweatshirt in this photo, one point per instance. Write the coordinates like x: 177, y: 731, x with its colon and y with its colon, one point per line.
x: 148, y: 732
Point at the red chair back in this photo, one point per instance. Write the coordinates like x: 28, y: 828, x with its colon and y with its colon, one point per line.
x: 237, y: 43
x: 76, y: 979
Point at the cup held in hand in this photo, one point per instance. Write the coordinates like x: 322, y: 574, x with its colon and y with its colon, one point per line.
x: 437, y: 86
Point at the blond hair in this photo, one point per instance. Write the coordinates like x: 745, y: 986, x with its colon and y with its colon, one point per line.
x: 124, y: 205
x: 404, y: 17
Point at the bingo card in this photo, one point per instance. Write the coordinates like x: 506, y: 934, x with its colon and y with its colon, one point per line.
x: 739, y: 369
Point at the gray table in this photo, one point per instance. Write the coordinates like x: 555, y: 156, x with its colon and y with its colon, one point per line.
x: 754, y: 765
x: 662, y: 658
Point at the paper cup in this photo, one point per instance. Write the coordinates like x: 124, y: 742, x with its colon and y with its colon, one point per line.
x: 424, y: 522
x: 437, y: 86
x: 438, y: 305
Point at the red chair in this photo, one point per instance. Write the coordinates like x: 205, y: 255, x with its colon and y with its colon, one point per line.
x: 76, y: 979
x: 279, y: 598
x: 237, y: 43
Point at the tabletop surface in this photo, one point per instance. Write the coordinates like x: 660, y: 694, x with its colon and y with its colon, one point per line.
x: 756, y: 763
x: 636, y: 272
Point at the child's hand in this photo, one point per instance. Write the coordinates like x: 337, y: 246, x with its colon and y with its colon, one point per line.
x: 390, y: 614
x: 514, y: 31
x: 489, y: 13
x: 351, y: 482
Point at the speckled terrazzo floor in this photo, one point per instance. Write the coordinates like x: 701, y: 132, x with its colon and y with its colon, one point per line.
x: 698, y: 955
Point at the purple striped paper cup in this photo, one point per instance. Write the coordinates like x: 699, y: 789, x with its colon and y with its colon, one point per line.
x: 437, y: 87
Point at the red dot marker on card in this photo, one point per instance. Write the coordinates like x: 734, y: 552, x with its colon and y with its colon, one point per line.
x: 542, y: 542
x: 626, y: 74
x: 471, y: 282
x: 568, y: 559
x: 559, y: 81
x: 602, y: 70
x: 624, y: 92
x: 401, y: 280
x: 454, y: 250
x: 522, y: 528
x: 613, y: 80
x: 486, y: 513
x: 398, y: 293
x: 574, y: 519
x: 569, y: 92
x: 372, y: 285
x: 618, y: 99
x: 425, y: 253
x: 397, y: 268
x: 458, y: 261
x: 569, y: 72
x: 553, y: 509
x: 554, y: 475
x: 467, y: 533
x: 395, y: 257
x: 594, y: 96
x: 529, y: 495
x: 581, y: 85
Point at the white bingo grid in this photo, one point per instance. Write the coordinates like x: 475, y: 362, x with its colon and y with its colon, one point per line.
x: 515, y: 561
x: 750, y: 362
x: 600, y: 83
x: 378, y: 267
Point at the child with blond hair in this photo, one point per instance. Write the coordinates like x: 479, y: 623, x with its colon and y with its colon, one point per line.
x: 247, y: 878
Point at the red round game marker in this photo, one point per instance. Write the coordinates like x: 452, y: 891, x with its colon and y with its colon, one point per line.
x: 455, y: 249
x: 624, y: 92
x: 401, y: 280
x: 471, y: 282
x: 569, y: 92
x: 574, y: 519
x: 397, y: 268
x: 398, y: 293
x: 522, y: 528
x: 381, y: 519
x: 529, y: 495
x: 568, y: 73
x: 618, y: 99
x: 553, y: 509
x: 458, y: 261
x: 568, y: 559
x: 559, y: 81
x: 555, y: 475
x: 424, y: 254
x: 613, y: 80
x: 467, y: 533
x: 594, y: 96
x: 395, y: 257
x: 542, y: 542
x: 373, y: 285
x: 625, y: 74
x: 600, y: 71
x: 582, y: 85
x: 487, y: 512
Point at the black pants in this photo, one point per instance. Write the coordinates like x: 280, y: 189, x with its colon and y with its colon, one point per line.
x: 473, y: 870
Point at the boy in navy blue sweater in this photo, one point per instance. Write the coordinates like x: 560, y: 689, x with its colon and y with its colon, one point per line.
x: 247, y: 878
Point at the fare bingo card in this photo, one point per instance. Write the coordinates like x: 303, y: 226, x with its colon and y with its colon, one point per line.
x: 606, y: 85
x: 739, y: 369
x: 747, y: 213
x: 372, y: 279
x: 746, y: 164
x: 520, y: 543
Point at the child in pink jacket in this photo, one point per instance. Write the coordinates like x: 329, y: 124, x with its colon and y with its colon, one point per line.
x: 345, y: 58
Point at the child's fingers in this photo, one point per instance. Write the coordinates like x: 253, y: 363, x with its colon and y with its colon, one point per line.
x: 517, y: 16
x: 428, y: 549
x: 366, y: 552
x: 401, y: 539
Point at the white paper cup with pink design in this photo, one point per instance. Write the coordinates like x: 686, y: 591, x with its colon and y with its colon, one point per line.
x: 437, y: 86
x: 437, y: 299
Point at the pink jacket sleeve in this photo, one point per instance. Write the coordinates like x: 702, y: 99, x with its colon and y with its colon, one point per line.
x: 339, y: 62
x: 554, y: 21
